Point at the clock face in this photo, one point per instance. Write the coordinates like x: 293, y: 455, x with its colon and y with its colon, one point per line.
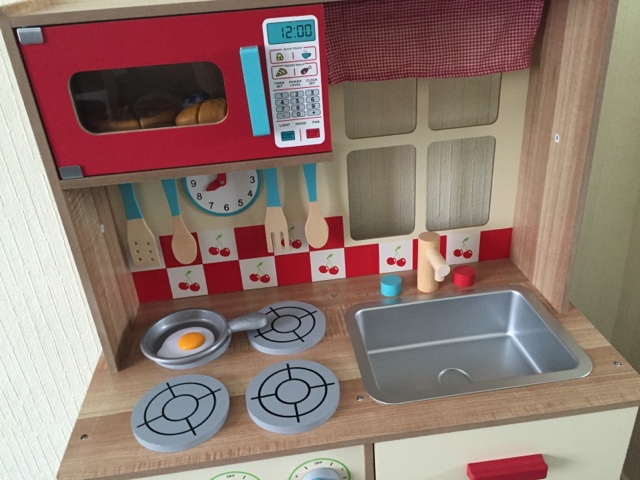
x: 225, y: 193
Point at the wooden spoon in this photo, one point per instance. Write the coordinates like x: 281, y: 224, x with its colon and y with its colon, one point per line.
x: 316, y: 229
x: 183, y: 244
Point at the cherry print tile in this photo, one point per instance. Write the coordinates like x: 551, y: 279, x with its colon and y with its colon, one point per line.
x: 327, y: 265
x: 297, y: 240
x: 495, y: 244
x: 218, y: 246
x: 336, y: 234
x: 258, y: 273
x: 361, y: 260
x: 251, y: 242
x: 462, y: 247
x: 187, y: 281
x: 293, y: 269
x: 152, y: 285
x: 223, y: 277
x: 396, y: 256
x: 167, y: 252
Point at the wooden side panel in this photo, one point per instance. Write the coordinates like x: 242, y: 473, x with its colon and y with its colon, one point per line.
x: 563, y: 108
x: 97, y: 261
x: 110, y: 282
x: 100, y: 262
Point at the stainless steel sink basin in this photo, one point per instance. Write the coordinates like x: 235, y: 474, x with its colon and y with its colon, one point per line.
x: 447, y: 344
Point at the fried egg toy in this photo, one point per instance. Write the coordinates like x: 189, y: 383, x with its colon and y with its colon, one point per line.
x: 185, y: 342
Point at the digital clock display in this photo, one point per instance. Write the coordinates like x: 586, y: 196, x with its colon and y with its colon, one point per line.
x: 291, y: 32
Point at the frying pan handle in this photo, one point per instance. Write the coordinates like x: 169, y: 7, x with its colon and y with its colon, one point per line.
x: 250, y: 321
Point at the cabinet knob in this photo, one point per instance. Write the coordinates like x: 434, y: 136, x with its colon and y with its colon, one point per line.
x: 322, y: 474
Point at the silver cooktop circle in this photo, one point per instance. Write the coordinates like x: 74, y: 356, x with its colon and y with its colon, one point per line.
x: 293, y: 397
x: 181, y: 413
x: 293, y: 328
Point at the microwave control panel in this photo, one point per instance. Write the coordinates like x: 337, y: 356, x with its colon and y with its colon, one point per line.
x: 295, y: 87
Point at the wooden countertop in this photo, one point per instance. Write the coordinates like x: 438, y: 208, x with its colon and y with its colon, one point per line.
x: 110, y: 449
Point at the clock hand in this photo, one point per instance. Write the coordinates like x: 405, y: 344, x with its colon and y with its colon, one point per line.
x: 220, y: 181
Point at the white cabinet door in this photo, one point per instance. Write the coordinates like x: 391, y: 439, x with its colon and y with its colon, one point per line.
x: 583, y: 447
x: 347, y: 462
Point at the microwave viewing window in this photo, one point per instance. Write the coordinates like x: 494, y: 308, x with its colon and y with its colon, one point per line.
x: 158, y: 96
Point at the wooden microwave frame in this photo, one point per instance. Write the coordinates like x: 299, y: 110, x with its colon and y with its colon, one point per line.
x: 567, y: 74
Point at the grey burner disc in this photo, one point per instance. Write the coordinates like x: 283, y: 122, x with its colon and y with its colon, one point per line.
x: 180, y: 413
x: 293, y: 397
x: 293, y: 328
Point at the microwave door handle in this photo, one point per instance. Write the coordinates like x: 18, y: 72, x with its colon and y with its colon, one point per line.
x: 254, y: 87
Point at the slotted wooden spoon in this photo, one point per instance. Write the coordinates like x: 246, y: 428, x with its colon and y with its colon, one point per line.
x: 140, y: 238
x: 316, y: 229
x: 183, y: 245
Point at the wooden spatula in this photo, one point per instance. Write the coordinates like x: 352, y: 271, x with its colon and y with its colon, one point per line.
x: 183, y: 244
x: 141, y: 241
x: 316, y: 229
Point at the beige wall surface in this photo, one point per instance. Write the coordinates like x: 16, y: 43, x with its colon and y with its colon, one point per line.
x: 48, y: 345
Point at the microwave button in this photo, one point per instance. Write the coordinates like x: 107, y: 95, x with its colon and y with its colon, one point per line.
x: 313, y: 133
x: 282, y: 95
x: 313, y: 112
x: 297, y: 93
x: 313, y: 99
x: 297, y: 108
x: 282, y: 116
x: 312, y: 91
x: 299, y: 114
x: 313, y: 106
x: 282, y: 109
x: 288, y: 136
x: 295, y: 101
x: 282, y: 102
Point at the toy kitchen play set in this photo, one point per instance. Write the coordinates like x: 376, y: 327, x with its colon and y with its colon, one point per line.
x: 278, y: 210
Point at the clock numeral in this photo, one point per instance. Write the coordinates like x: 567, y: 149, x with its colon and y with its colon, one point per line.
x: 226, y: 207
x: 211, y: 205
x: 193, y: 183
x: 240, y: 203
x: 252, y: 179
x: 199, y: 196
x: 250, y: 193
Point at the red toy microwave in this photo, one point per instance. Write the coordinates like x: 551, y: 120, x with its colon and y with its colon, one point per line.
x: 145, y: 94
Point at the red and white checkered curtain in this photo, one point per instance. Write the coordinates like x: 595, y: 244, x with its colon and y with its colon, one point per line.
x: 370, y: 40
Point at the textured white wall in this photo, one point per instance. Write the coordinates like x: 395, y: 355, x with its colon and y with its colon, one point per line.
x: 48, y: 345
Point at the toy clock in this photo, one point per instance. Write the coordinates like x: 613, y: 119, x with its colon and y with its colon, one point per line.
x: 223, y: 193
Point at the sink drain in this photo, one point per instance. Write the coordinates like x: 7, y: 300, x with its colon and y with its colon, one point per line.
x: 454, y: 377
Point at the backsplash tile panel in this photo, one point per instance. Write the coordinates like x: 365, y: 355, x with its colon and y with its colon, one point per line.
x: 223, y: 277
x: 152, y: 285
x: 293, y: 268
x: 249, y: 266
x: 495, y: 244
x: 361, y: 260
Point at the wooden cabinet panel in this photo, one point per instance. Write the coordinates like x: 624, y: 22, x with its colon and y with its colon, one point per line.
x: 574, y: 448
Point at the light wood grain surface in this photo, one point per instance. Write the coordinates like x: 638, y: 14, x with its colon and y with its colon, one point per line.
x: 563, y: 107
x: 110, y: 449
